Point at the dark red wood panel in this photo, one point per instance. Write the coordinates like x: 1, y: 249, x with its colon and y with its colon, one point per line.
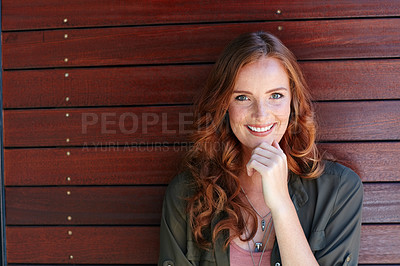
x: 102, y: 86
x: 19, y: 14
x: 381, y: 203
x: 97, y: 245
x: 140, y: 244
x: 353, y: 79
x: 142, y: 205
x: 373, y: 161
x: 99, y: 165
x: 379, y: 244
x: 321, y: 39
x: 84, y: 205
x: 126, y: 165
x: 344, y: 121
x: 363, y: 120
x: 328, y: 80
x: 97, y: 127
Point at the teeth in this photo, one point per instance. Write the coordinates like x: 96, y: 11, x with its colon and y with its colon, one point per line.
x: 261, y: 129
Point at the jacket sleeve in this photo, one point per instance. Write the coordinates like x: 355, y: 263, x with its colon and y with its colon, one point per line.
x: 342, y: 233
x: 173, y: 229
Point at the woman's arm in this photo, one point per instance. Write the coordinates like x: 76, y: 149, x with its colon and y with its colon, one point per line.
x: 271, y: 164
x: 173, y: 239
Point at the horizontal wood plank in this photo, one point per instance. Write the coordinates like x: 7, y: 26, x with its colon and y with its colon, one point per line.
x: 140, y: 244
x: 142, y: 205
x: 373, y: 161
x: 85, y: 205
x: 95, y: 245
x: 97, y: 127
x: 343, y: 121
x: 98, y: 165
x: 339, y: 121
x: 321, y: 39
x: 381, y: 203
x: 103, y: 86
x: 378, y: 244
x: 353, y: 79
x: 42, y: 14
x: 129, y: 165
x: 328, y: 80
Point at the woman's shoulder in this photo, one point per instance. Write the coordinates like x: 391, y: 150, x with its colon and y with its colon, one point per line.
x: 181, y: 187
x: 339, y: 173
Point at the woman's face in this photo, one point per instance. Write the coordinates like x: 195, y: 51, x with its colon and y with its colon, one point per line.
x: 259, y: 109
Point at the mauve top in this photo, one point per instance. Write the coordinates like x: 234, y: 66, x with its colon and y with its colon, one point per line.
x: 240, y: 256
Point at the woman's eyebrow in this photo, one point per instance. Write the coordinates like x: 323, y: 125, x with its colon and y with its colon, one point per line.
x: 271, y: 90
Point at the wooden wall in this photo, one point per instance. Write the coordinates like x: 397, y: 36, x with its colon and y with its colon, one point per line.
x: 96, y: 95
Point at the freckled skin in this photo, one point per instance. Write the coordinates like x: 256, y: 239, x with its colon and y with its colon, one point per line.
x: 261, y: 98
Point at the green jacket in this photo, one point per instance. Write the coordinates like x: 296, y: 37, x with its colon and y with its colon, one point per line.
x: 328, y: 207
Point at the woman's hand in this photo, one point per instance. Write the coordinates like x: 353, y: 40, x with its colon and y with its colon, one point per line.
x: 270, y: 162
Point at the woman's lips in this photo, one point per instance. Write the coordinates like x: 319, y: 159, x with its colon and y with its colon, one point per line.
x: 260, y: 130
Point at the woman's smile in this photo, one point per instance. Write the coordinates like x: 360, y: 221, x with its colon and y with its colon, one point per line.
x: 260, y: 130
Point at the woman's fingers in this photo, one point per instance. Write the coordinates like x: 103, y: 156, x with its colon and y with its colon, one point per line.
x: 264, y: 161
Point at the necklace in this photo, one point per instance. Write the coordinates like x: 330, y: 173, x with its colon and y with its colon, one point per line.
x: 259, y: 245
x: 262, y: 217
x: 262, y: 254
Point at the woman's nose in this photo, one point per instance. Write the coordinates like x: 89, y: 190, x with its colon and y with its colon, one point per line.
x: 260, y: 109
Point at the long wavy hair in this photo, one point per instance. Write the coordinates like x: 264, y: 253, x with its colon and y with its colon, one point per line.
x: 215, y: 159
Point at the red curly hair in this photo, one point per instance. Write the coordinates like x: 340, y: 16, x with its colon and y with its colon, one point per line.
x: 215, y: 159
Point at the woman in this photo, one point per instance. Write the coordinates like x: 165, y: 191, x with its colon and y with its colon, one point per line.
x: 255, y: 190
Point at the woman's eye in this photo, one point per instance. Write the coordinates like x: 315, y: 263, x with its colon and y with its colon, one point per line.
x: 276, y: 96
x: 241, y: 98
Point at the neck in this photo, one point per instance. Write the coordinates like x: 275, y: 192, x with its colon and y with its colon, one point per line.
x: 250, y: 184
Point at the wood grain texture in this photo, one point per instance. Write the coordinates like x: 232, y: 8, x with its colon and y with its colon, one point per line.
x: 142, y: 205
x: 103, y: 86
x: 129, y: 165
x: 379, y: 244
x: 98, y: 165
x: 381, y: 203
x: 102, y: 245
x: 132, y: 245
x: 339, y: 121
x: 353, y: 79
x: 321, y: 39
x: 120, y: 205
x: 363, y: 120
x: 97, y: 127
x: 19, y: 14
x: 328, y: 80
x: 373, y: 161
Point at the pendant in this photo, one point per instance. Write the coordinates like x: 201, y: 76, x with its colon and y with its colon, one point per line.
x: 258, y: 246
x: 263, y: 225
